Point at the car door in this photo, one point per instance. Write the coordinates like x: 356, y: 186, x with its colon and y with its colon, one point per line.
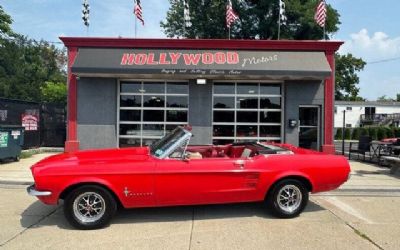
x: 205, y: 181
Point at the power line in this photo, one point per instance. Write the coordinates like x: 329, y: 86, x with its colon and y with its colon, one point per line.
x: 13, y: 39
x: 385, y: 60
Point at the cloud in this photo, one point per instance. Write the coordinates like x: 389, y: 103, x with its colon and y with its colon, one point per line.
x: 372, y: 47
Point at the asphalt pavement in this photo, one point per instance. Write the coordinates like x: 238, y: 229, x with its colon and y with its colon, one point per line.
x: 362, y: 214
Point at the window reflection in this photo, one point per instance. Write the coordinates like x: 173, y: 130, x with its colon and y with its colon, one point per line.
x: 223, y: 130
x: 153, y: 101
x: 270, y: 102
x: 130, y: 115
x: 247, y: 102
x: 224, y: 102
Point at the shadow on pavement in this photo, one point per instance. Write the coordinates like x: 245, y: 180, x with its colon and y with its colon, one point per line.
x: 54, y: 216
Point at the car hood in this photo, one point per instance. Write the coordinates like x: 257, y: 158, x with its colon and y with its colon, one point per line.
x: 99, y: 156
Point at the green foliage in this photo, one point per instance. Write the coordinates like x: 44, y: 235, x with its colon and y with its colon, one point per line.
x: 26, y: 65
x: 364, y: 131
x: 5, y: 24
x: 373, y: 132
x: 54, y: 92
x: 381, y: 133
x: 386, y: 98
x: 347, y: 67
x: 339, y: 134
x: 396, y: 132
x: 347, y: 133
x: 356, y: 134
x: 258, y: 20
x: 389, y: 132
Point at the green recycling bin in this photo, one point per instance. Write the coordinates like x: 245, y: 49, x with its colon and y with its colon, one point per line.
x: 11, y: 141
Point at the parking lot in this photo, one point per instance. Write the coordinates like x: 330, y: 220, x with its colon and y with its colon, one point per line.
x: 363, y: 214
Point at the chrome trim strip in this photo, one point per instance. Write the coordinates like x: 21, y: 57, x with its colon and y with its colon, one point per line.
x: 32, y: 191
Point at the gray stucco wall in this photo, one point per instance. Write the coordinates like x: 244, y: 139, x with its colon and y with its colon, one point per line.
x: 200, y: 112
x: 301, y: 93
x: 97, y: 117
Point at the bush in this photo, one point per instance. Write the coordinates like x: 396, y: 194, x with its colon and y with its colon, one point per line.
x: 396, y: 132
x: 364, y: 131
x: 356, y: 134
x: 347, y: 133
x: 339, y: 134
x: 381, y: 133
x: 389, y: 132
x: 373, y: 132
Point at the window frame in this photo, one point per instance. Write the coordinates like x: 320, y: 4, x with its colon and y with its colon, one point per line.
x: 141, y: 137
x: 259, y: 96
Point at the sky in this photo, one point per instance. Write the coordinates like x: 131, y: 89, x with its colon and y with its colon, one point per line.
x: 369, y: 28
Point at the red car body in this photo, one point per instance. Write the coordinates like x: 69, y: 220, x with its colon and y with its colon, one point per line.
x: 138, y: 179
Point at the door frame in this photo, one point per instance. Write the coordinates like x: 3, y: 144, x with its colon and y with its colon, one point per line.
x: 318, y: 125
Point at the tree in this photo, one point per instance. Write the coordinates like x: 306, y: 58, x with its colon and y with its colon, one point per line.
x: 398, y: 97
x: 258, y: 20
x: 385, y: 98
x: 26, y: 65
x: 54, y: 92
x: 5, y: 24
x: 346, y: 77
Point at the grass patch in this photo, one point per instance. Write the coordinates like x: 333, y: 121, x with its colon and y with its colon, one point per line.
x: 26, y: 154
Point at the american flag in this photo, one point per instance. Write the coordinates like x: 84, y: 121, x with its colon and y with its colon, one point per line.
x: 138, y: 11
x: 320, y: 13
x: 231, y: 15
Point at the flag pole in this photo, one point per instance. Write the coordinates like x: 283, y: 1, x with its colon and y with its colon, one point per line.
x: 279, y: 26
x: 229, y: 33
x: 135, y: 26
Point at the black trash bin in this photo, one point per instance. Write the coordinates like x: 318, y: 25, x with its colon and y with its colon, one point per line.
x: 11, y: 141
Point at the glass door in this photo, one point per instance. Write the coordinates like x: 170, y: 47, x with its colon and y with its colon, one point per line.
x: 309, y: 127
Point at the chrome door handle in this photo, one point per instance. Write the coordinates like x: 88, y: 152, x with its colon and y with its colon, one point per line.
x: 239, y: 163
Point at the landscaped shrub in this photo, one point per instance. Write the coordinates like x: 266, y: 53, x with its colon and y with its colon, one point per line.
x: 364, y: 131
x: 389, y: 132
x: 339, y: 134
x: 396, y: 132
x: 381, y: 133
x: 373, y: 132
x: 356, y: 134
x: 347, y: 133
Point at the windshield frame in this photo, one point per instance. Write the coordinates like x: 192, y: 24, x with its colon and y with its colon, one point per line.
x: 163, y: 147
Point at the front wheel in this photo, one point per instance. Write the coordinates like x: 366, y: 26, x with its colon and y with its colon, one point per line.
x: 89, y: 207
x: 288, y: 198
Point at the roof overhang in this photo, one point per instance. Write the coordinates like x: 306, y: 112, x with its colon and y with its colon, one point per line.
x: 194, y: 63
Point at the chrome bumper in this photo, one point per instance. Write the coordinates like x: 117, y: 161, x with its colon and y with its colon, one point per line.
x: 32, y: 191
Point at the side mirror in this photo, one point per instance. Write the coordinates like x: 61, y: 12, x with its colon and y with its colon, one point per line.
x: 185, y: 157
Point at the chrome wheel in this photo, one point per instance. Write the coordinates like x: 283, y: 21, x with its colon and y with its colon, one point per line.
x: 289, y: 198
x: 89, y: 207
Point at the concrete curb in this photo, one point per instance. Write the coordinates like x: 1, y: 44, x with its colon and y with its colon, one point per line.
x: 15, y: 182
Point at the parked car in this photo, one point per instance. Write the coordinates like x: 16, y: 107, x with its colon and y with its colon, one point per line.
x: 94, y: 183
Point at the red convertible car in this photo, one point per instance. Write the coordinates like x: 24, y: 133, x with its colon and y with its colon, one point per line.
x: 170, y: 172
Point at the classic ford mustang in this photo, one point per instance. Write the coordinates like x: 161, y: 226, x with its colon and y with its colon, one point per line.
x: 170, y: 172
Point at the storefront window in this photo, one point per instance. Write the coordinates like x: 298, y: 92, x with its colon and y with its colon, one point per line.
x: 246, y: 111
x: 150, y: 109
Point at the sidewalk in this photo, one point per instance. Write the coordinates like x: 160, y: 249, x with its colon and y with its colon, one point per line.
x: 19, y: 173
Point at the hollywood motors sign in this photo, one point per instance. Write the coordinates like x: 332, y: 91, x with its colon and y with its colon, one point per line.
x: 179, y: 58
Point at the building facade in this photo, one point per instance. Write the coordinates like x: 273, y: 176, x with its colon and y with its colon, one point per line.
x: 366, y: 113
x: 130, y: 92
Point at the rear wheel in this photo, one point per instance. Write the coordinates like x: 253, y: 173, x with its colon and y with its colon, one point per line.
x: 288, y: 198
x: 89, y: 207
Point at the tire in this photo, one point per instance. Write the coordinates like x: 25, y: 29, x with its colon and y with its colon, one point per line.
x: 280, y: 203
x: 89, y: 207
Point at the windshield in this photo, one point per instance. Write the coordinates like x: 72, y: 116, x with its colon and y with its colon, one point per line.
x: 158, y: 148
